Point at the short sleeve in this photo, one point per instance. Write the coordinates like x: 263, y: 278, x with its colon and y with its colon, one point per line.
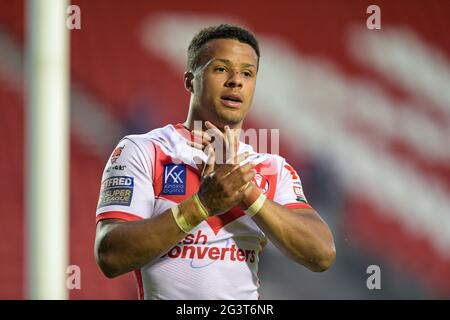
x: 126, y: 190
x: 289, y: 191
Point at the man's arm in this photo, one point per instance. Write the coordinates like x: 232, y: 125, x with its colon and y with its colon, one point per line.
x: 122, y: 246
x: 300, y: 234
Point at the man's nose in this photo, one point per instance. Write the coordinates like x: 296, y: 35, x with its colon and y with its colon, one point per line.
x: 234, y: 80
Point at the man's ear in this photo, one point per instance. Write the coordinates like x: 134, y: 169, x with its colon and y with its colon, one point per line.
x: 188, y: 81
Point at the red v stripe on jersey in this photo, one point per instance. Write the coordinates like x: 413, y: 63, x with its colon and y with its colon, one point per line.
x: 193, y: 183
x: 218, y: 222
x: 193, y: 176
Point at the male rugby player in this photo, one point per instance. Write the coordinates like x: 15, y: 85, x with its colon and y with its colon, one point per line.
x: 190, y: 215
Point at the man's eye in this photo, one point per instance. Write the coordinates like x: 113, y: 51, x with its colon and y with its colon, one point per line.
x: 247, y: 74
x: 220, y: 69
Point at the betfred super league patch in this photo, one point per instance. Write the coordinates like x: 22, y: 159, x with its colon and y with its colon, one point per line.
x: 174, y: 179
x: 116, y: 191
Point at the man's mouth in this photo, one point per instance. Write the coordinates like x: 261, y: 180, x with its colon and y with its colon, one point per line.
x: 231, y: 100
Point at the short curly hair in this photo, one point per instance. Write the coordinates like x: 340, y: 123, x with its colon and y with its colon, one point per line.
x: 222, y: 31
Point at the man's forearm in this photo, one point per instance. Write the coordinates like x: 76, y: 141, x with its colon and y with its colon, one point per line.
x: 299, y: 233
x: 125, y: 246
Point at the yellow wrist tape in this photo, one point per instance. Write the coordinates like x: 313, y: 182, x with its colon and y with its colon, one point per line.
x: 185, y: 226
x: 201, y: 208
x: 256, y: 206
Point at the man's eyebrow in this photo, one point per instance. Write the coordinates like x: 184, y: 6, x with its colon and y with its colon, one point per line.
x: 246, y: 65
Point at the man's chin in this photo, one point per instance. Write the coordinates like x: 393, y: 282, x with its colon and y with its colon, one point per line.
x: 230, y: 117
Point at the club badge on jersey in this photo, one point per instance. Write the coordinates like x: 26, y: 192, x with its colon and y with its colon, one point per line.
x: 262, y: 183
x: 116, y: 154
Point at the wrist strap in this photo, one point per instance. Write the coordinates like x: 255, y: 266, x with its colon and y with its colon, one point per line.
x: 201, y: 208
x: 180, y: 220
x: 256, y: 206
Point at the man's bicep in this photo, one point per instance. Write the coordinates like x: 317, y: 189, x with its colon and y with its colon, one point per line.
x: 102, y: 229
x: 308, y: 213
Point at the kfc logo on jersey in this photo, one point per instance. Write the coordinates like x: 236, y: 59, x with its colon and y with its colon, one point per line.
x: 174, y: 179
x: 116, y: 154
x: 262, y: 183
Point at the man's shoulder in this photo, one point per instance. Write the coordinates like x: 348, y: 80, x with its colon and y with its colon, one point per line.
x: 163, y: 142
x: 164, y: 134
x: 272, y: 160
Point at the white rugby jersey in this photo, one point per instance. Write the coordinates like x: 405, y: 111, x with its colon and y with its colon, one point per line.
x: 150, y: 173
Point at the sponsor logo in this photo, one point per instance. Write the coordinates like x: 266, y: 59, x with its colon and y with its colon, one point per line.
x: 117, y: 167
x: 174, y: 179
x: 262, y: 182
x: 116, y: 191
x: 116, y: 154
x: 196, y: 248
x: 300, y: 196
x: 122, y: 181
x: 298, y: 191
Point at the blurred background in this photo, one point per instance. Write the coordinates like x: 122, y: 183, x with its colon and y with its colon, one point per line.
x: 364, y: 116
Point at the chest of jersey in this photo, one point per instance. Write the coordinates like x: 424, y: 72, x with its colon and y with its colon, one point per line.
x: 176, y: 178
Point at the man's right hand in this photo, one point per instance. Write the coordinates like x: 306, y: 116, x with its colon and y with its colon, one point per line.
x: 223, y: 184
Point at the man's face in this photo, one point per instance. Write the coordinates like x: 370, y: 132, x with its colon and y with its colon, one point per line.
x: 224, y: 82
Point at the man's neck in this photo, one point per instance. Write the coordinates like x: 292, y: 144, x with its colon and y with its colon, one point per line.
x: 193, y: 120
